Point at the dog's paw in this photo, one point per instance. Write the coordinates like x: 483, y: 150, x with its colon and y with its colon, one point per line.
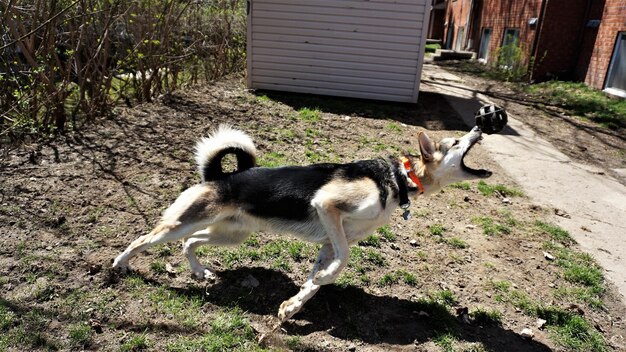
x: 288, y: 308
x: 204, y: 274
x: 121, y: 267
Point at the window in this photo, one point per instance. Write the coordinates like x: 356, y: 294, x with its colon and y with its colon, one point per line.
x: 509, y: 51
x: 485, y: 40
x: 459, y: 39
x: 616, y: 78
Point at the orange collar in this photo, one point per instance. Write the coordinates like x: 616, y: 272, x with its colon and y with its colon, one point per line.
x: 409, y: 170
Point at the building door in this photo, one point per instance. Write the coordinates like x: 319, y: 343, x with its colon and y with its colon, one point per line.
x: 485, y: 40
x: 616, y: 82
x: 459, y: 39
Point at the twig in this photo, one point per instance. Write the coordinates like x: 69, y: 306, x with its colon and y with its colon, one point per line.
x: 40, y: 26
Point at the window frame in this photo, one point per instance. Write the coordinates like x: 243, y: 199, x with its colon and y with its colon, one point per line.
x: 621, y: 37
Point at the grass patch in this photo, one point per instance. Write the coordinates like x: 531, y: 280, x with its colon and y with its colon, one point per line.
x: 393, y: 127
x: 445, y: 297
x: 461, y: 185
x: 158, y: 267
x: 397, y: 276
x: 135, y: 342
x: 490, y: 227
x: 272, y: 159
x: 436, y: 229
x: 310, y: 115
x: 568, y: 329
x: 486, y: 317
x: 431, y: 48
x: 446, y: 341
x: 370, y: 241
x: 386, y: 233
x: 555, y: 232
x: 230, y: 331
x: 582, y: 101
x: 487, y: 190
x: 80, y: 334
x: 458, y: 243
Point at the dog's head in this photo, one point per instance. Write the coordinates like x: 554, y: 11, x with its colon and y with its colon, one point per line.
x: 442, y: 163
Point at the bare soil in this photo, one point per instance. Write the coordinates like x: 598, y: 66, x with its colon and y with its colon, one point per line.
x: 69, y: 206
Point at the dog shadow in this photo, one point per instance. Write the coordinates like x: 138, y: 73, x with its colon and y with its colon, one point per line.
x: 351, y: 313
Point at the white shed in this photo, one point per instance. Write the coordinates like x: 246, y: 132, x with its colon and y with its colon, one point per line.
x: 372, y: 49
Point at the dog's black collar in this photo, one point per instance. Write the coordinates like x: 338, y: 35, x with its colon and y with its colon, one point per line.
x: 403, y: 187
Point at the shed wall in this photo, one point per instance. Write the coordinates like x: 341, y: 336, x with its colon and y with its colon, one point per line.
x: 353, y: 48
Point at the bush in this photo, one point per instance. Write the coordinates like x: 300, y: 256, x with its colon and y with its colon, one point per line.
x: 67, y: 61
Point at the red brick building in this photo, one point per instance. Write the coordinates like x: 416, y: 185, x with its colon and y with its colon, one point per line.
x: 570, y: 39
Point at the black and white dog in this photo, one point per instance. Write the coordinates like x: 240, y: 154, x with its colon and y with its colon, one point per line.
x: 335, y: 205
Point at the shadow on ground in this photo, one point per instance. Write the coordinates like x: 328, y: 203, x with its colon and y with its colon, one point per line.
x: 351, y: 313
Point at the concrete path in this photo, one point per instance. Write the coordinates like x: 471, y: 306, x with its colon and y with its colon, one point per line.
x: 596, y: 203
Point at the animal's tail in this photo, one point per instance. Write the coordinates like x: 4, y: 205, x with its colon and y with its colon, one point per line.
x: 225, y: 140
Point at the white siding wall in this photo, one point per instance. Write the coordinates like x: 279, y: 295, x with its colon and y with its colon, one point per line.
x: 354, y: 48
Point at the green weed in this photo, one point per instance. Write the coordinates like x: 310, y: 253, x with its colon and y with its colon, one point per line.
x: 582, y: 101
x: 486, y: 317
x: 80, y: 334
x: 490, y: 227
x: 436, y: 229
x: 310, y: 115
x: 135, y: 342
x: 555, y: 232
x: 371, y: 241
x: 445, y: 297
x: 386, y: 233
x: 461, y: 185
x: 230, y: 331
x: 456, y: 242
x: 488, y: 190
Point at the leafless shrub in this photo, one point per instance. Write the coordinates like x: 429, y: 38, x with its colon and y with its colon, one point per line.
x: 63, y: 62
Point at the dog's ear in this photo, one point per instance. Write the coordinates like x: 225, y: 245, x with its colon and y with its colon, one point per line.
x: 427, y: 147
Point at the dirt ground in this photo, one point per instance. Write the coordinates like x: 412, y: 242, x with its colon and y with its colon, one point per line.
x: 69, y: 206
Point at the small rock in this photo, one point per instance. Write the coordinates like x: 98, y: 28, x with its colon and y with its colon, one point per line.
x: 548, y: 256
x: 527, y: 333
x: 471, y: 227
x: 561, y: 213
x: 352, y: 347
x: 170, y: 269
x: 414, y: 243
x: 346, y: 118
x: 423, y: 314
x: 540, y: 323
x: 250, y: 282
x: 506, y: 200
x: 394, y: 247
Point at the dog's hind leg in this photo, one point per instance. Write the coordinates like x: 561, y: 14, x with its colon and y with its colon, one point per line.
x: 209, y: 237
x: 293, y: 305
x: 164, y: 232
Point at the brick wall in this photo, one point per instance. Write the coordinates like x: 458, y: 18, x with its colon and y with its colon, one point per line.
x: 502, y: 14
x: 613, y: 21
x: 456, y: 17
x: 560, y: 39
x: 497, y: 15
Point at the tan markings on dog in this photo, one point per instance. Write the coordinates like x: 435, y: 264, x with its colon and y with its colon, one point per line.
x: 204, y: 206
x: 347, y: 195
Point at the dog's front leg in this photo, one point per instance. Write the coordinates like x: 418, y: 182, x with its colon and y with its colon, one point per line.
x: 331, y: 218
x: 293, y: 305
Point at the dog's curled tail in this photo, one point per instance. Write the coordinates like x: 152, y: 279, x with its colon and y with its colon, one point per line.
x: 225, y: 140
